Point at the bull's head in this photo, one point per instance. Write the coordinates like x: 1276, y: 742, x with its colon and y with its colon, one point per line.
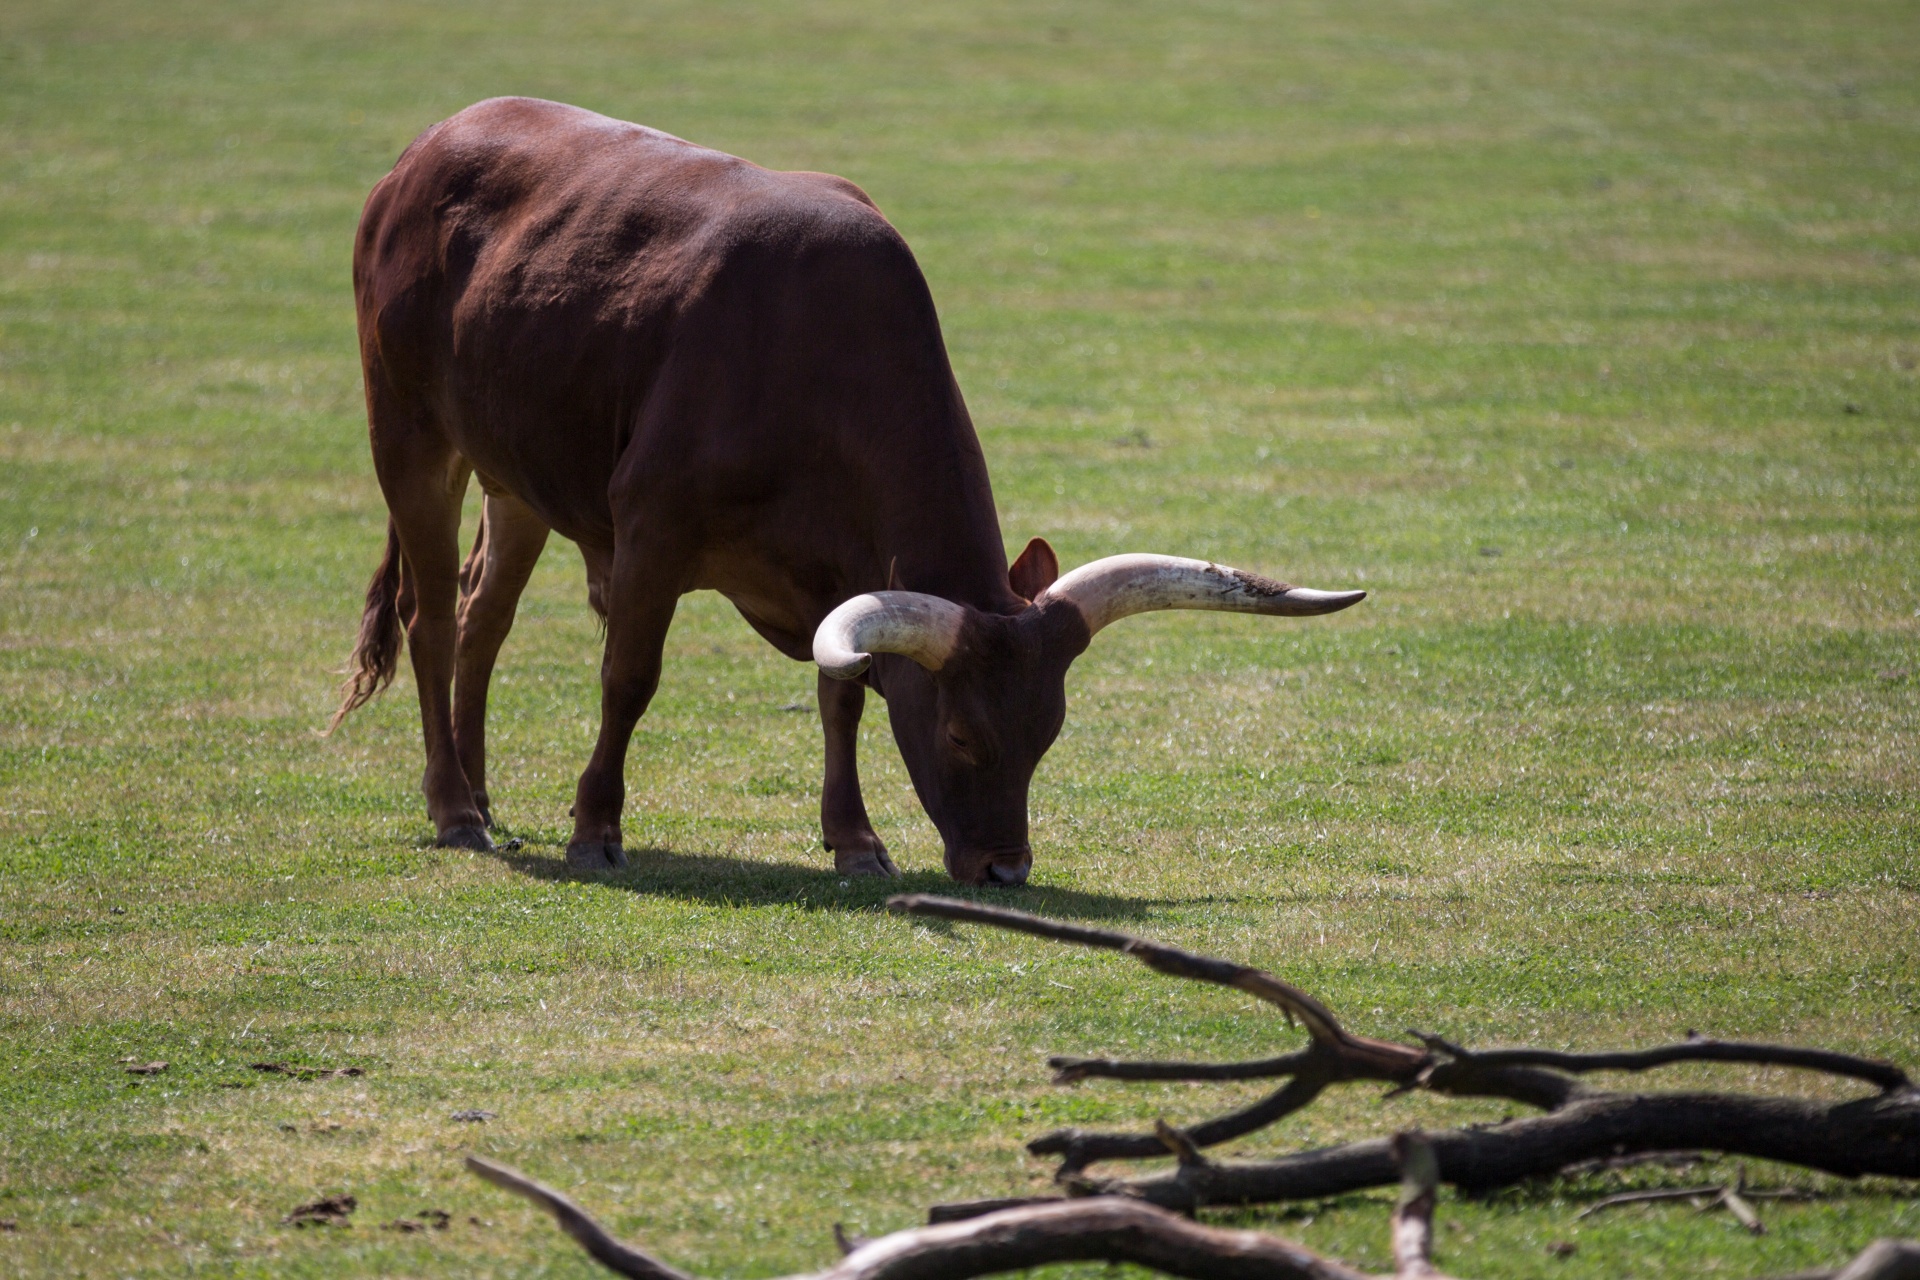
x: 984, y: 694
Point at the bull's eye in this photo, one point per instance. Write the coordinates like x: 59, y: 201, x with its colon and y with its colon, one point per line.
x: 958, y: 742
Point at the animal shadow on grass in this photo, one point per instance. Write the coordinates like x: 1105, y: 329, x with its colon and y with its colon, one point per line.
x: 744, y: 882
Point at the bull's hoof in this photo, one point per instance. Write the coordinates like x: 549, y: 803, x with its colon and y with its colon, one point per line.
x: 864, y: 862
x: 474, y: 838
x: 596, y: 859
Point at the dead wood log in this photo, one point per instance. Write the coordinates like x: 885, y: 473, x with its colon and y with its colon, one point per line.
x: 1879, y: 1134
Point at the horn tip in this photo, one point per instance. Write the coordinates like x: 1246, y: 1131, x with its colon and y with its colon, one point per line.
x: 847, y: 670
x: 1309, y: 601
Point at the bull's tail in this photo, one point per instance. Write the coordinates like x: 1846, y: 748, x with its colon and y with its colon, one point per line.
x: 377, y: 652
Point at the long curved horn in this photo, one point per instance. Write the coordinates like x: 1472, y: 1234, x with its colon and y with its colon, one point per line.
x: 1119, y: 586
x: 924, y: 628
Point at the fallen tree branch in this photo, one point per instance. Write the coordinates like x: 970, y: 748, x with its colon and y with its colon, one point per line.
x: 1878, y: 1135
x: 1873, y: 1135
x: 1332, y: 1056
x: 1695, y: 1048
x: 600, y: 1245
x: 1107, y: 1229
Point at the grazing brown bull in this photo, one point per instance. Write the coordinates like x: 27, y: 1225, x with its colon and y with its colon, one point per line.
x: 706, y: 374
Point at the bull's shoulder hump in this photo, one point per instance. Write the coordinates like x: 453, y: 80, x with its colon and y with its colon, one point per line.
x: 832, y: 184
x: 554, y: 144
x: 532, y: 141
x: 541, y: 180
x: 568, y: 129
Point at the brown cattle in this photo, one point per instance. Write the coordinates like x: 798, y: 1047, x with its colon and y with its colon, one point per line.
x: 708, y: 375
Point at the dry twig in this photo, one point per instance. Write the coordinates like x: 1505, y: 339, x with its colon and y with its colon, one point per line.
x: 1735, y: 1198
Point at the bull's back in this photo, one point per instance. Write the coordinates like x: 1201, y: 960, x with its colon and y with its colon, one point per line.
x: 524, y: 272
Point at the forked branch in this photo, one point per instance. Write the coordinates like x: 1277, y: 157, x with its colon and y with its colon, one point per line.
x: 1333, y: 1053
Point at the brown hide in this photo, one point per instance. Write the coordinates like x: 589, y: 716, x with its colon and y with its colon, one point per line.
x: 706, y: 374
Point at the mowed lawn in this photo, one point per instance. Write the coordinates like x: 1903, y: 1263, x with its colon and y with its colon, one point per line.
x: 1584, y: 336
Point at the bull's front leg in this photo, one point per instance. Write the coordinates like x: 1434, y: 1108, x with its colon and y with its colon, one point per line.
x: 642, y: 588
x: 844, y: 825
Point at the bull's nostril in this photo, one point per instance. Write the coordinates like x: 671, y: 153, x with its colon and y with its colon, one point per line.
x: 1002, y: 866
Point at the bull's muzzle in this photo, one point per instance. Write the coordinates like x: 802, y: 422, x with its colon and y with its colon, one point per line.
x: 990, y: 866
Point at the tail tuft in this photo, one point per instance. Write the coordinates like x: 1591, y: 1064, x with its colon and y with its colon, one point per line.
x: 377, y: 652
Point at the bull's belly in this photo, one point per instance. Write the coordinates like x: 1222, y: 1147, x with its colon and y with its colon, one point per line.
x: 563, y: 476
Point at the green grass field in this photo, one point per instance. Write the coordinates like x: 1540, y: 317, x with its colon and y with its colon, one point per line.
x: 1584, y: 336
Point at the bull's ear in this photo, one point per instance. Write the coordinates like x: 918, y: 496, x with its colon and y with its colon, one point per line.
x: 1035, y: 570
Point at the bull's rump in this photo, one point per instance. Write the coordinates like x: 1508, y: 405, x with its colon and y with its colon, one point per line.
x: 567, y: 298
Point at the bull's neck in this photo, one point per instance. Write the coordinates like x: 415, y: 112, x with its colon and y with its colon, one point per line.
x: 969, y: 569
x: 943, y: 538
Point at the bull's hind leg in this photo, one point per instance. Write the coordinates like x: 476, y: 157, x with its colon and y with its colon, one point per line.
x: 424, y: 481
x: 505, y: 550
x: 844, y: 824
